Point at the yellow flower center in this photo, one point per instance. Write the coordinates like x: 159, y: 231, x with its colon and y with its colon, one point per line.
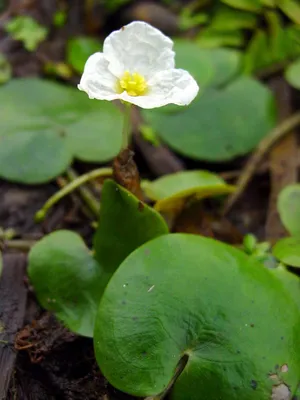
x: 134, y: 84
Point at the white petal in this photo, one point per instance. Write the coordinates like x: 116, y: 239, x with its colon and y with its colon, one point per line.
x: 97, y: 81
x: 175, y: 86
x: 138, y: 47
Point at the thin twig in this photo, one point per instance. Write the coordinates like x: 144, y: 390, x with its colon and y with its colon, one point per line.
x: 76, y: 183
x: 23, y: 245
x: 265, y: 145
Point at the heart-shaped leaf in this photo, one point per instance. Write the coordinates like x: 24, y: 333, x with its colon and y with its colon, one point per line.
x: 67, y: 278
x: 189, y: 302
x: 41, y: 134
x: 172, y: 191
x: 220, y: 124
x: 287, y: 251
x: 288, y: 205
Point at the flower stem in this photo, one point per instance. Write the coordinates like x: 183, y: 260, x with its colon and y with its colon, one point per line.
x: 76, y: 182
x: 126, y: 126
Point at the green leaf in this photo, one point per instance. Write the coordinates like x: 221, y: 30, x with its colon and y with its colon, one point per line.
x: 60, y: 18
x: 291, y: 8
x: 290, y: 281
x: 220, y: 124
x: 292, y: 74
x: 68, y: 280
x: 288, y: 205
x: 227, y: 19
x: 210, y: 38
x: 246, y: 5
x: 257, y: 54
x: 210, y: 67
x: 79, y: 49
x: 5, y: 69
x: 287, y: 251
x: 27, y: 30
x: 185, y: 298
x: 172, y: 191
x: 40, y: 137
x: 125, y: 223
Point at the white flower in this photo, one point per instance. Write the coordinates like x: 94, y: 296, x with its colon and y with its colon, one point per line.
x: 138, y: 66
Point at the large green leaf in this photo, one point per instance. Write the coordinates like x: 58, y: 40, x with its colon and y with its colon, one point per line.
x: 68, y: 280
x: 288, y: 205
x: 210, y: 67
x: 172, y: 191
x: 220, y: 124
x: 287, y: 251
x: 185, y: 296
x: 45, y: 125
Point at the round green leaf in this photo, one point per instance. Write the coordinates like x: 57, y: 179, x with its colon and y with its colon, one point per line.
x: 287, y: 251
x: 185, y: 296
x: 66, y: 277
x: 171, y: 191
x: 79, y: 49
x: 210, y: 67
x: 34, y: 156
x: 292, y: 74
x: 220, y: 124
x: 41, y: 135
x: 288, y: 205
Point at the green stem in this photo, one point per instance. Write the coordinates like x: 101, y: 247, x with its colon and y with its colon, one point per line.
x: 76, y: 182
x: 126, y: 126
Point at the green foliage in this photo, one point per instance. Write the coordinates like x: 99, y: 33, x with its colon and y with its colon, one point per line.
x: 292, y: 74
x: 27, y: 30
x: 247, y: 5
x: 68, y: 279
x: 258, y: 250
x: 287, y: 251
x: 210, y: 67
x: 220, y: 124
x: 5, y: 69
x: 288, y: 205
x: 79, y: 49
x: 172, y: 191
x: 125, y: 223
x: 113, y: 5
x: 188, y: 296
x: 60, y: 18
x: 41, y: 134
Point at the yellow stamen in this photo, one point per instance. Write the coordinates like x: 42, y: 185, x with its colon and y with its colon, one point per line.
x: 134, y: 84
